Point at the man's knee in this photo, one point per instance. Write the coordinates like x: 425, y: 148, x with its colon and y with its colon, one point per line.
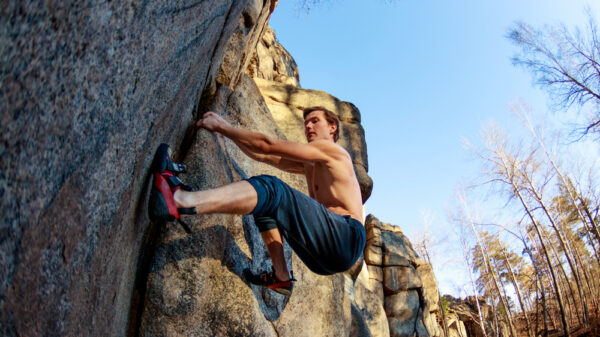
x: 269, y: 190
x: 264, y: 223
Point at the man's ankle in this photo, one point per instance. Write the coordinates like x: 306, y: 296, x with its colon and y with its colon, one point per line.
x: 282, y: 276
x: 179, y: 197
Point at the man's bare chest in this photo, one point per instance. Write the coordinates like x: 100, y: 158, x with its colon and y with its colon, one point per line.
x: 316, y: 178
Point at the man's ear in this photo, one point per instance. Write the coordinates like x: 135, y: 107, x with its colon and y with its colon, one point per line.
x: 332, y: 128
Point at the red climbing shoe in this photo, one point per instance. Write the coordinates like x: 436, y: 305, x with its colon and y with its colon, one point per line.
x: 269, y: 280
x: 162, y: 207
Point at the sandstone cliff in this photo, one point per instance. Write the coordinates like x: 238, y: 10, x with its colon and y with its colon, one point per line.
x: 89, y: 91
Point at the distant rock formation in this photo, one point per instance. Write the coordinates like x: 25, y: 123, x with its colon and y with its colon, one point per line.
x: 463, y: 318
x: 401, y: 281
x: 272, y: 62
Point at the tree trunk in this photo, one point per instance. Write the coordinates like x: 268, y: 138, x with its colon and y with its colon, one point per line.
x: 472, y: 278
x: 537, y: 312
x: 571, y: 300
x: 593, y: 224
x: 586, y: 276
x: 518, y: 291
x: 574, y: 270
x: 511, y: 320
x: 552, y: 272
x: 540, y: 279
x: 470, y: 267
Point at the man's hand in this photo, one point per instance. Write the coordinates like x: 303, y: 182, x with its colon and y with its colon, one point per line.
x: 212, y: 122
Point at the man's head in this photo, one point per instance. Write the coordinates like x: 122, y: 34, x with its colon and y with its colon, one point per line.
x: 320, y: 123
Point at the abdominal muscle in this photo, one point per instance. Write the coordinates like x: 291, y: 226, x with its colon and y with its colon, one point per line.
x: 341, y: 195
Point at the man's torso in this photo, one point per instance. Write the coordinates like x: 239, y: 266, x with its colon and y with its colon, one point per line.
x: 333, y: 183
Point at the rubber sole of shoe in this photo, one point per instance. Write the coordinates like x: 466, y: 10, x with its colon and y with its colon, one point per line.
x: 283, y: 291
x: 159, y: 163
x: 250, y: 277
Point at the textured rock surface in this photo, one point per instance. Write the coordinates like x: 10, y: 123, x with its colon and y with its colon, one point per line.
x: 368, y: 295
x: 271, y: 61
x: 456, y: 327
x: 88, y: 91
x: 465, y: 316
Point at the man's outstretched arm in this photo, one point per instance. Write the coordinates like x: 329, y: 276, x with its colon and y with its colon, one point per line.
x: 273, y: 160
x: 249, y: 143
x: 260, y: 143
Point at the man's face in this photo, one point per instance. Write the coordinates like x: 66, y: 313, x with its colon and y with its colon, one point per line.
x: 317, y: 127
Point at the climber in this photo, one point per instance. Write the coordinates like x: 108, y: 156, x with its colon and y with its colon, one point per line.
x: 325, y: 230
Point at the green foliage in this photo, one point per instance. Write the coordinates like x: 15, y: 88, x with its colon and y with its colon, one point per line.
x: 445, y: 304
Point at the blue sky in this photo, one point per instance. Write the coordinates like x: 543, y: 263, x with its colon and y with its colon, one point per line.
x: 425, y: 75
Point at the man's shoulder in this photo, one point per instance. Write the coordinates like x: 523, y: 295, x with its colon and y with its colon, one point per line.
x: 327, y: 144
x: 330, y: 147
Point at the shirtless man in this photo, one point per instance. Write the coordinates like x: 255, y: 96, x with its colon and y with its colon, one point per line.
x: 325, y: 230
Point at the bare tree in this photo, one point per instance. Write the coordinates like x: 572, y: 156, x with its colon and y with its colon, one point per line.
x: 566, y: 63
x: 522, y: 111
x: 513, y: 278
x: 461, y: 221
x: 508, y: 261
x: 506, y: 169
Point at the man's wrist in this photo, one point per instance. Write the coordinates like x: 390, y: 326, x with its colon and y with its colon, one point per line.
x: 224, y: 129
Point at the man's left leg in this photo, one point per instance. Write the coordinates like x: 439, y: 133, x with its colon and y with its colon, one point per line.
x: 274, y: 242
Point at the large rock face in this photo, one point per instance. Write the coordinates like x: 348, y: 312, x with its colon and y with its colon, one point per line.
x: 89, y: 91
x: 272, y: 62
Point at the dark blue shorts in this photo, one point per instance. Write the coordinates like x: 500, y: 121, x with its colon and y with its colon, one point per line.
x: 326, y: 242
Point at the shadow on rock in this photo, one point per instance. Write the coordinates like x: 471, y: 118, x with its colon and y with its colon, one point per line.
x: 218, y: 243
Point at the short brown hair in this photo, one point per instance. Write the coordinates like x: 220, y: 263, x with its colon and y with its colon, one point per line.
x: 330, y: 117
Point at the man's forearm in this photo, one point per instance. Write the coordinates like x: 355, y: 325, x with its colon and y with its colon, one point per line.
x: 253, y: 142
x: 254, y: 155
x: 273, y: 160
x: 253, y: 145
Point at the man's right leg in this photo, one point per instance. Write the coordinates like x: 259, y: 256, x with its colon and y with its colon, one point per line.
x: 235, y: 198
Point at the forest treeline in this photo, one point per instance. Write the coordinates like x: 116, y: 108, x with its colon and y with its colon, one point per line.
x: 539, y: 271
